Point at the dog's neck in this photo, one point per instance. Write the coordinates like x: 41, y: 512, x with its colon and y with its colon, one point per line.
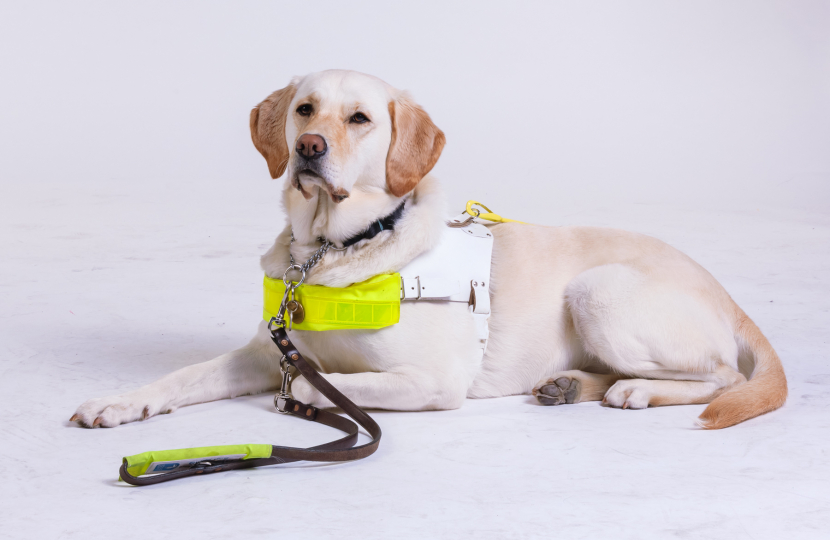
x: 417, y: 230
x: 319, y: 217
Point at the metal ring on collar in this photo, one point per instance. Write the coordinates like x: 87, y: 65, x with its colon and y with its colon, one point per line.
x: 298, y: 268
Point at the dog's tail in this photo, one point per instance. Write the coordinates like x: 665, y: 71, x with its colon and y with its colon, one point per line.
x: 765, y: 391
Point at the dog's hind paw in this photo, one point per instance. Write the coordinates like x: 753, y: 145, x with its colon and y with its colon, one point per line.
x: 627, y: 394
x: 558, y: 390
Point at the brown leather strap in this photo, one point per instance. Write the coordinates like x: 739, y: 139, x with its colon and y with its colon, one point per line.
x: 340, y: 450
x: 293, y: 356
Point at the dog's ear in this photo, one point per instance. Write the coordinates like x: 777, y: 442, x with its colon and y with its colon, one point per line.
x: 415, y: 148
x: 268, y: 129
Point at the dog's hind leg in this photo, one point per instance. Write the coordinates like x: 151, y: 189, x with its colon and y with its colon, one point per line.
x: 573, y: 387
x: 642, y: 393
x: 647, y: 328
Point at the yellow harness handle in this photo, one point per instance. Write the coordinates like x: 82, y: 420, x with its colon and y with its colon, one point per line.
x: 489, y: 215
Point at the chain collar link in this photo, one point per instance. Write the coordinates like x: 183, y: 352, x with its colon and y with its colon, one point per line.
x: 315, y: 258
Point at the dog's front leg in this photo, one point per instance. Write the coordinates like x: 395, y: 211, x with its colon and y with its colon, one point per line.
x: 390, y: 390
x: 252, y: 369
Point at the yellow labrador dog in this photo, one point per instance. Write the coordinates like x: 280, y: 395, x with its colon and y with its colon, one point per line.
x: 577, y: 313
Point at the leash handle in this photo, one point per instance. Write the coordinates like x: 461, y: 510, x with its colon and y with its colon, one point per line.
x: 212, y: 459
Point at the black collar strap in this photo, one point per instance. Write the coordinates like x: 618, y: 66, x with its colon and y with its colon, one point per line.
x: 383, y: 224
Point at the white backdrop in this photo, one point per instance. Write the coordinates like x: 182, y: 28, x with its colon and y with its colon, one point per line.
x: 133, y: 208
x: 561, y: 104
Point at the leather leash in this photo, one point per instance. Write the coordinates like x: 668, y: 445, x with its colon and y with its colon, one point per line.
x: 340, y: 450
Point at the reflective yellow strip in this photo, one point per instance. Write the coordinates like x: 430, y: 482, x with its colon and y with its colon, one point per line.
x: 488, y: 215
x: 371, y: 304
x: 138, y: 464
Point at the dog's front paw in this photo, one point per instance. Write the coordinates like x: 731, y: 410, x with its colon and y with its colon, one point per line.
x: 302, y: 391
x: 115, y: 410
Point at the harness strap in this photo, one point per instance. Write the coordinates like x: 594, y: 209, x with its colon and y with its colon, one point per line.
x: 343, y: 449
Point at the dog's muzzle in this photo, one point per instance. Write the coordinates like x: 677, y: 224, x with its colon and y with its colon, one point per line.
x: 309, y: 149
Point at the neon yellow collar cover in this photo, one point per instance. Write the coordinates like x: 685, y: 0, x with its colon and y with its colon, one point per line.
x: 369, y: 305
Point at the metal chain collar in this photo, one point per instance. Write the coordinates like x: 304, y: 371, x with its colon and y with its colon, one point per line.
x: 291, y: 285
x: 314, y: 259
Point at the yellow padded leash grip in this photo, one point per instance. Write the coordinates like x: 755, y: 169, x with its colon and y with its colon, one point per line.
x: 488, y: 215
x: 184, y: 458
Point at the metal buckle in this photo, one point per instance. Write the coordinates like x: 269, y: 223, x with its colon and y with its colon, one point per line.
x: 274, y: 323
x: 460, y: 224
x: 470, y: 219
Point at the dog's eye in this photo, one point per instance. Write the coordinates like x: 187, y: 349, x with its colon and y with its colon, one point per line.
x: 358, y: 118
x: 304, y: 110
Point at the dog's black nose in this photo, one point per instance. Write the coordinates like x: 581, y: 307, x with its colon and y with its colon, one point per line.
x: 311, y: 146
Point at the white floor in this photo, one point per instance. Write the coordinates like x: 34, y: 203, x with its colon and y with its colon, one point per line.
x: 108, y: 287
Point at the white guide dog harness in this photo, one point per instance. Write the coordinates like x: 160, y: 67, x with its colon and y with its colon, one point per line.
x: 457, y: 269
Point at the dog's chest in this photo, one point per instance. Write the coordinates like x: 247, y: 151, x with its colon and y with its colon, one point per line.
x: 427, y: 333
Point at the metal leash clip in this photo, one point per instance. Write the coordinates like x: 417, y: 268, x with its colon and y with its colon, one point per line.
x: 282, y: 397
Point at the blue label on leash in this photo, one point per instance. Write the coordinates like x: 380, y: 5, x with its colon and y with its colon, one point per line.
x: 167, y: 466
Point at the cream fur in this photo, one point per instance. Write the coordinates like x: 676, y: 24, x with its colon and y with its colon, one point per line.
x: 622, y: 316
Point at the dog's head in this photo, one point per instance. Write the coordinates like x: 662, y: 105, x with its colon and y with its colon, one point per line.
x: 335, y: 130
